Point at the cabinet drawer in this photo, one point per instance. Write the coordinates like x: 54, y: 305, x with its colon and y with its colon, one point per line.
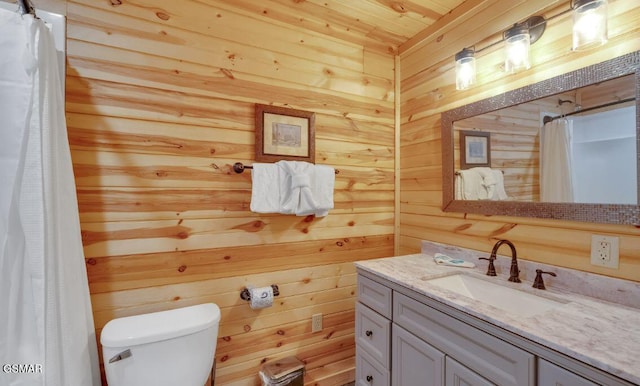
x: 492, y: 358
x: 369, y: 372
x: 375, y: 295
x: 373, y: 334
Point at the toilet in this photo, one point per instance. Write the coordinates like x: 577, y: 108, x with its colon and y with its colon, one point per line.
x: 165, y: 348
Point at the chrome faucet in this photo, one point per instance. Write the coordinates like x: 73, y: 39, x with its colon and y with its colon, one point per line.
x: 514, y: 273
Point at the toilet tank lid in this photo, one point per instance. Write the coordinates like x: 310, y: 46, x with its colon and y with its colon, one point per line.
x: 158, y: 326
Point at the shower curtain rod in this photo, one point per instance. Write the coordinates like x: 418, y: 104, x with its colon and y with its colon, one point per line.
x: 26, y: 7
x: 548, y: 118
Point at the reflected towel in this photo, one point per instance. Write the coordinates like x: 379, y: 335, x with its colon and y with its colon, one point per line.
x: 480, y: 183
x: 471, y: 185
x: 499, y: 192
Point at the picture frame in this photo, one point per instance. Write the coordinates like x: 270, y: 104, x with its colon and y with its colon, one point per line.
x: 284, y: 134
x: 475, y: 149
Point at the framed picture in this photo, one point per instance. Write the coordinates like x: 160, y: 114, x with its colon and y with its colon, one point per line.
x: 284, y: 134
x: 475, y: 149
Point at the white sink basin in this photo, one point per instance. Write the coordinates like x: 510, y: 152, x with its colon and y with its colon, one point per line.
x: 500, y: 296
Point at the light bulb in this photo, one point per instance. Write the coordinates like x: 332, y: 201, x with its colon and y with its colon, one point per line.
x: 589, y: 24
x: 517, y: 42
x: 465, y: 69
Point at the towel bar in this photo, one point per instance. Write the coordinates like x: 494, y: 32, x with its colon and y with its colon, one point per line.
x: 457, y: 172
x: 239, y: 167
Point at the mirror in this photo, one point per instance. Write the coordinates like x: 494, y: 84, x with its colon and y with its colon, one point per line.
x: 504, y: 133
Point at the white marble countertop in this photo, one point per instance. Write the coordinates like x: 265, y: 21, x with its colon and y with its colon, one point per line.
x: 602, y: 334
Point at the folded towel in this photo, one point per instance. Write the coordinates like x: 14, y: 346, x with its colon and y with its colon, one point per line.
x: 323, y: 189
x: 481, y: 183
x: 489, y: 181
x: 306, y: 188
x: 296, y: 196
x: 292, y: 187
x: 471, y: 185
x: 499, y: 193
x: 265, y: 192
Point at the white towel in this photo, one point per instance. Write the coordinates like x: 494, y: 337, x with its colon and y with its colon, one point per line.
x: 471, y: 184
x: 480, y: 183
x: 265, y: 192
x: 323, y: 189
x: 306, y: 188
x: 499, y: 192
x: 292, y: 187
x: 488, y: 181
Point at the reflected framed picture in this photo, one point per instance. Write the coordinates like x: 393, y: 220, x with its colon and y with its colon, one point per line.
x: 475, y: 149
x: 284, y: 134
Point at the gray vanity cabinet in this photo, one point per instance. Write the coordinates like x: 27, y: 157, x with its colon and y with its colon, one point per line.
x: 402, y: 342
x: 406, y: 339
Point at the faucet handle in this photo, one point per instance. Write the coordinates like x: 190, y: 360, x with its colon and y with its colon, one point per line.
x: 491, y: 270
x: 538, y: 282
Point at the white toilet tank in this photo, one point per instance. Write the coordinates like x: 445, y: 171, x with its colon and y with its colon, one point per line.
x: 165, y: 348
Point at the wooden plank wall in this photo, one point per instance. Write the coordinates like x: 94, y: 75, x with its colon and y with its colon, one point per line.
x: 160, y: 104
x: 428, y: 89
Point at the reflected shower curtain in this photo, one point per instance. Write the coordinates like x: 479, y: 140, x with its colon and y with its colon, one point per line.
x: 555, y: 161
x: 47, y: 335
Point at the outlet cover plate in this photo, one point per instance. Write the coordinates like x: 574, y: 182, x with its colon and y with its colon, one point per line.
x: 604, y: 251
x: 316, y: 322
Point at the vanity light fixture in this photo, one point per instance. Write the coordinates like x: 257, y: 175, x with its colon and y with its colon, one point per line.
x: 589, y: 30
x: 517, y: 41
x: 516, y: 49
x: 589, y: 24
x: 465, y: 68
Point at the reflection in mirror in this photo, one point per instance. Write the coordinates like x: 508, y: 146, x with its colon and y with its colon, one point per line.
x: 591, y: 115
x: 575, y: 146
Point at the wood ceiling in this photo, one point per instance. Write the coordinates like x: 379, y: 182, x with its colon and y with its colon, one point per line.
x: 379, y: 25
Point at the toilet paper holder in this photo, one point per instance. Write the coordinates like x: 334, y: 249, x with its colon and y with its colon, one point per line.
x: 246, y: 295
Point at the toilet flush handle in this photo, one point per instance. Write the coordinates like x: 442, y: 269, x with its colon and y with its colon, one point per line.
x: 123, y: 355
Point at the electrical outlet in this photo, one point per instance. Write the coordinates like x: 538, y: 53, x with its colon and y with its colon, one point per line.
x: 316, y: 322
x: 604, y: 251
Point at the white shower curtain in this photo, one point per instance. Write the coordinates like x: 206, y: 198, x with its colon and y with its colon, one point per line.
x: 556, y: 184
x: 47, y: 335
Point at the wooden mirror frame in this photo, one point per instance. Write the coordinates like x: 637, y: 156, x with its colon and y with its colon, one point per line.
x: 597, y: 213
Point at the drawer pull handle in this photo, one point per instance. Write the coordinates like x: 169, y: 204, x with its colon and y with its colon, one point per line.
x: 369, y: 378
x: 368, y: 333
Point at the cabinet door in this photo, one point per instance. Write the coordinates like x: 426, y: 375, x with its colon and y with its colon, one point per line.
x: 414, y: 362
x: 552, y: 375
x: 458, y: 375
